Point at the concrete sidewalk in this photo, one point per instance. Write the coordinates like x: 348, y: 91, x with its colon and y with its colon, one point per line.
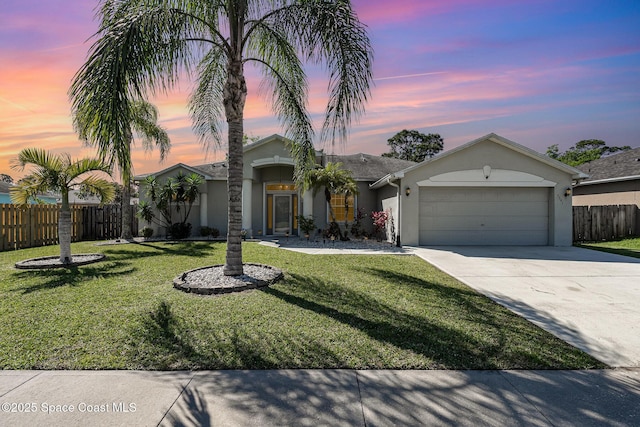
x: 320, y: 397
x: 590, y: 299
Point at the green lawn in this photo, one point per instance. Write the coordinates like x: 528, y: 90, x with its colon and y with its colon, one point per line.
x: 346, y: 311
x: 627, y: 247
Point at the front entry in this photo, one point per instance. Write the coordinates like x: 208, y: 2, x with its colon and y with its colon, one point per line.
x: 282, y: 214
x: 281, y: 210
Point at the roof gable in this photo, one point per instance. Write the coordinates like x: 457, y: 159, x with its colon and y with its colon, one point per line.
x: 193, y: 169
x: 493, y: 138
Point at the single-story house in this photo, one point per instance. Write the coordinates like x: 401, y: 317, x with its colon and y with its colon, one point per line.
x: 5, y: 195
x: 613, y: 180
x: 490, y: 191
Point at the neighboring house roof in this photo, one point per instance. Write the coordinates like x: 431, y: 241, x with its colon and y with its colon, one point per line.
x: 4, y: 187
x: 5, y: 197
x: 576, y: 174
x: 622, y: 166
x: 366, y: 167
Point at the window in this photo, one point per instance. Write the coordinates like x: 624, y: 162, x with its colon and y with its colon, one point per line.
x: 337, y: 204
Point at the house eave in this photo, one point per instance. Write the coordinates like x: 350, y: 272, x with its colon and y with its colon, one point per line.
x: 609, y: 180
x: 170, y: 168
x: 576, y: 174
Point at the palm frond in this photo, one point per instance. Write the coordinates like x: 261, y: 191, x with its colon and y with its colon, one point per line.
x: 101, y: 187
x: 40, y: 158
x: 82, y: 166
x: 145, y: 124
x: 328, y: 31
x: 205, y: 103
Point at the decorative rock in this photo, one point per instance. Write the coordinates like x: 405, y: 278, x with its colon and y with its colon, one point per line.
x: 54, y: 261
x: 211, y: 280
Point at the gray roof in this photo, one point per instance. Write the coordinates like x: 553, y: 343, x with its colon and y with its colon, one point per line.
x: 4, y: 187
x: 215, y: 171
x: 367, y: 167
x: 364, y: 167
x: 621, y: 165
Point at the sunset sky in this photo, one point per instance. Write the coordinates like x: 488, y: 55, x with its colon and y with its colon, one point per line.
x: 538, y: 72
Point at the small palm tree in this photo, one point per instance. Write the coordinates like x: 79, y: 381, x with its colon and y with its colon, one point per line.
x: 57, y: 172
x: 334, y: 180
x: 114, y: 144
x: 143, y: 46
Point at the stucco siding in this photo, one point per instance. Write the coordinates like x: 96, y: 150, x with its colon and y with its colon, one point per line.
x: 497, y: 157
x: 612, y: 193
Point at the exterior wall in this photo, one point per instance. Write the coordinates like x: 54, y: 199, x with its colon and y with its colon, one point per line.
x: 612, y: 193
x: 387, y: 199
x: 496, y: 156
x: 217, y: 206
x: 194, y: 216
x: 275, y: 149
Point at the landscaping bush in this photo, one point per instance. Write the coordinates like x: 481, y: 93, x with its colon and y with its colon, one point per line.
x: 180, y: 230
x: 146, y: 232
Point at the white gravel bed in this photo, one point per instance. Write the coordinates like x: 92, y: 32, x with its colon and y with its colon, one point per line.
x: 54, y: 261
x: 211, y: 280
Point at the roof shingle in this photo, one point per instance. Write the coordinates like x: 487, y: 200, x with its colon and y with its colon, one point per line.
x: 620, y: 165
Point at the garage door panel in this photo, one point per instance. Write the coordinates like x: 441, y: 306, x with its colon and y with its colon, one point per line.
x: 484, y: 216
x: 487, y: 223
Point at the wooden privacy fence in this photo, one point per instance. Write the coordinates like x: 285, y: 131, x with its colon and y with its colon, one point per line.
x: 105, y: 222
x: 37, y: 225
x: 597, y: 223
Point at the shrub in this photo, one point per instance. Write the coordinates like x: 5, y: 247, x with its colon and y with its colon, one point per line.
x: 205, y: 231
x: 215, y: 232
x: 306, y: 224
x: 332, y: 231
x: 380, y: 219
x: 146, y: 232
x: 180, y: 230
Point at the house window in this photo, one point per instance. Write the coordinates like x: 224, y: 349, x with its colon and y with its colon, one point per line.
x: 339, y: 210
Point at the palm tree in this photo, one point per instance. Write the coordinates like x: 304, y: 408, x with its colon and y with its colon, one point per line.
x: 142, y: 47
x: 143, y: 118
x: 59, y: 173
x: 334, y: 180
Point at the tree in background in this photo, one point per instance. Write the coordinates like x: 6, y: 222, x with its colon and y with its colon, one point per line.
x: 584, y: 151
x: 144, y: 46
x: 414, y: 146
x: 6, y: 178
x: 57, y: 172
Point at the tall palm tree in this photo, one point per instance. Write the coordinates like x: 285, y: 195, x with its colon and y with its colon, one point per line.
x: 59, y: 173
x: 143, y: 46
x: 333, y: 180
x: 143, y: 118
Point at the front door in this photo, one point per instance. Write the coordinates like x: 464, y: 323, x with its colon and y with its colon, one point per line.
x: 282, y: 214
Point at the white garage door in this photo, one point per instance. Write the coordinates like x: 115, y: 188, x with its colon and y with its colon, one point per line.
x: 484, y: 216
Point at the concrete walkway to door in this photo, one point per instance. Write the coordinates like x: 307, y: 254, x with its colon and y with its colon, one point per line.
x: 588, y: 298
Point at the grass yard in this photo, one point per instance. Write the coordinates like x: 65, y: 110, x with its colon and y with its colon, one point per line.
x: 627, y: 247
x: 334, y: 311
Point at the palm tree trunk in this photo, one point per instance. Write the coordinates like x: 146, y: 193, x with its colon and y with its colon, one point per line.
x: 64, y: 229
x: 126, y: 207
x: 235, y: 93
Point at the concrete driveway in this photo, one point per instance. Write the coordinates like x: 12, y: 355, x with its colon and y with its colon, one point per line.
x: 588, y: 298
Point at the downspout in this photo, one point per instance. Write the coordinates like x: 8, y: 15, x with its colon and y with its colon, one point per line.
x: 399, y: 197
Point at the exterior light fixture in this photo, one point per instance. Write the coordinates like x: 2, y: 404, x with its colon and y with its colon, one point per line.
x: 407, y: 191
x: 567, y: 192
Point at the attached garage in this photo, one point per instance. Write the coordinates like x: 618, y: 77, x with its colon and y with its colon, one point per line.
x: 484, y: 216
x: 490, y: 191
